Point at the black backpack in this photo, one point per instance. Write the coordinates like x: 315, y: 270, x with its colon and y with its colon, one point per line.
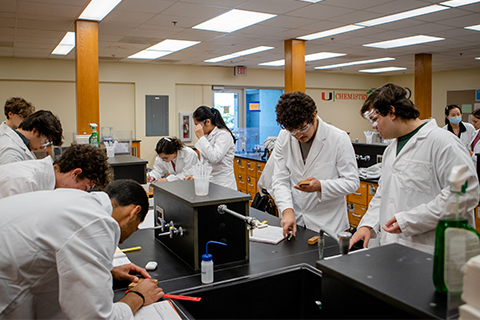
x: 263, y: 203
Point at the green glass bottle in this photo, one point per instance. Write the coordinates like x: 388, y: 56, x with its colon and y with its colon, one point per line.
x: 455, y: 240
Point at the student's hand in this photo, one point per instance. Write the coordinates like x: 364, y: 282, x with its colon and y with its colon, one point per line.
x: 314, y: 186
x: 150, y: 291
x: 199, y: 130
x: 288, y: 223
x: 123, y: 272
x: 150, y: 179
x: 363, y: 233
x: 188, y: 178
x: 391, y: 226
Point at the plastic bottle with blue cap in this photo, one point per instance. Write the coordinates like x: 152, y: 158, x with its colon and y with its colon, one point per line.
x: 207, y: 264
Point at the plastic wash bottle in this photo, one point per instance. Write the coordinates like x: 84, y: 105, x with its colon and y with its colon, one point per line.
x: 93, y: 140
x: 207, y: 264
x: 455, y: 240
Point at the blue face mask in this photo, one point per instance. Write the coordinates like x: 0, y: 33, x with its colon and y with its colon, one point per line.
x: 455, y: 120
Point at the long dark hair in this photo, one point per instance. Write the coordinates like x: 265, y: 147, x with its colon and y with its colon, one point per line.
x: 447, y: 111
x: 168, y: 145
x: 204, y: 113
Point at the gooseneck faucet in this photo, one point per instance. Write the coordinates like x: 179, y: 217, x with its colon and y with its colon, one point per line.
x: 251, y: 222
x: 343, y: 239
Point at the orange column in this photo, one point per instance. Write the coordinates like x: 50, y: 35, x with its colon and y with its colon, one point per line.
x: 86, y: 46
x: 294, y: 65
x: 423, y: 84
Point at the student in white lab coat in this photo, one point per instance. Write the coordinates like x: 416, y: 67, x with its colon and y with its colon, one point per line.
x: 216, y: 145
x: 413, y: 187
x: 81, y: 166
x: 16, y: 109
x: 34, y: 133
x: 60, y: 250
x: 174, y: 158
x: 310, y: 149
x: 475, y: 145
x: 453, y: 123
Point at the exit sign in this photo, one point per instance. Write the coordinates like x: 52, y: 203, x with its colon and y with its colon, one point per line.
x: 240, y: 71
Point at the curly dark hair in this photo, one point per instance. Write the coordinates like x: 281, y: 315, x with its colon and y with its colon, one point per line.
x: 125, y: 192
x: 92, y: 161
x: 294, y: 109
x: 46, y: 123
x: 17, y: 105
x: 168, y: 145
x: 388, y: 96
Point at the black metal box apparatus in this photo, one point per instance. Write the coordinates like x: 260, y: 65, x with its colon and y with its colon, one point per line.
x: 191, y: 221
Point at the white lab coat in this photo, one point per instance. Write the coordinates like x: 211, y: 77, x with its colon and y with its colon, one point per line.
x: 26, y: 176
x: 56, y: 257
x: 186, y: 158
x: 414, y: 187
x: 218, y: 150
x: 4, y: 127
x: 475, y: 149
x: 331, y: 160
x: 467, y: 136
x: 13, y: 149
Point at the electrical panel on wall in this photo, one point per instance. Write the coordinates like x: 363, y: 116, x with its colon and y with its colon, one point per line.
x: 186, y: 126
x: 156, y: 112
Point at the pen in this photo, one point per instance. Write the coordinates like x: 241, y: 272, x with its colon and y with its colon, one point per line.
x: 128, y: 249
x: 289, y: 237
x: 177, y: 297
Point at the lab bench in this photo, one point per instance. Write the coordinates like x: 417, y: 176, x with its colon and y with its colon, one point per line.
x: 394, y: 277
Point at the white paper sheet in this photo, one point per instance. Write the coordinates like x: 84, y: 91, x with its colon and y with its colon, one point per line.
x: 120, y: 258
x: 161, y: 310
x: 270, y: 234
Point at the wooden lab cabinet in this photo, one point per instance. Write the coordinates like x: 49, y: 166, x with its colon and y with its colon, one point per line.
x: 357, y: 202
x: 247, y: 173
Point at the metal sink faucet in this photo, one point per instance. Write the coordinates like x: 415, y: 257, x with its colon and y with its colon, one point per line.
x: 343, y: 239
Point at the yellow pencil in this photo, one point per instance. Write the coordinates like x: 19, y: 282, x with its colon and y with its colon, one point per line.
x: 128, y: 249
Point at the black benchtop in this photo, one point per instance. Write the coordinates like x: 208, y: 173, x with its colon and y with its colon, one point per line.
x: 395, y: 274
x: 125, y: 160
x: 174, y: 275
x: 250, y: 156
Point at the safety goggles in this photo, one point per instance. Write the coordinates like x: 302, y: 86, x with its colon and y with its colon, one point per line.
x: 302, y: 130
x: 372, y: 116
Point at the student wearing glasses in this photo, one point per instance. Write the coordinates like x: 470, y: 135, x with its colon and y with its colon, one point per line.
x: 38, y: 130
x: 174, y: 158
x: 308, y: 149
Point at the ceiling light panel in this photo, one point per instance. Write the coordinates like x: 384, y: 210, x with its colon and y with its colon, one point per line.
x: 163, y: 48
x: 402, y: 15
x: 239, y: 54
x: 458, y: 3
x: 66, y: 45
x: 476, y: 28
x: 98, y: 9
x: 330, y: 32
x: 234, y: 20
x: 378, y: 70
x: 312, y: 1
x: 354, y: 63
x: 322, y: 55
x: 308, y: 57
x: 402, y: 42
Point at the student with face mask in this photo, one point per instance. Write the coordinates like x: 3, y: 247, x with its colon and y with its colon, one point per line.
x: 453, y: 123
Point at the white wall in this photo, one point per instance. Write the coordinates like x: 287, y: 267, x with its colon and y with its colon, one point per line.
x: 49, y: 84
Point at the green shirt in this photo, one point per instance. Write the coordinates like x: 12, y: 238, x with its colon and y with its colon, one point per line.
x: 402, y: 141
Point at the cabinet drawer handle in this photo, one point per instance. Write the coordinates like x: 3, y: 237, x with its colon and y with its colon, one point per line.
x: 357, y: 194
x: 356, y: 215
